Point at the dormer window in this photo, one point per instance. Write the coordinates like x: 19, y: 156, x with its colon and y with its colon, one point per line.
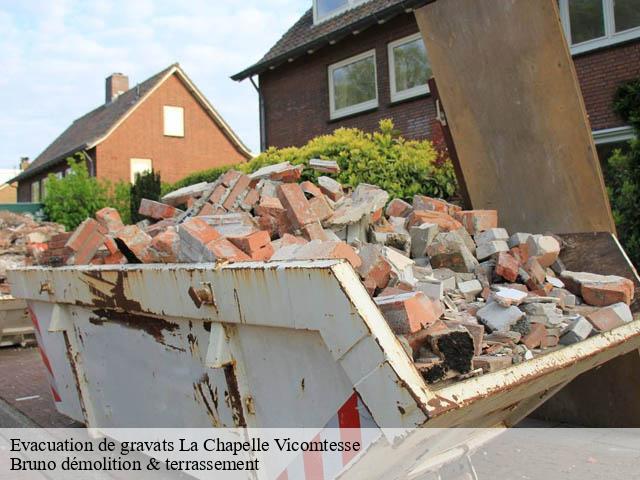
x: 325, y: 9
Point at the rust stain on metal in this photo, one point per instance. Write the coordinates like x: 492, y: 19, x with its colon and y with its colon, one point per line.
x: 207, y: 326
x: 114, y: 296
x: 154, y: 326
x: 440, y: 405
x: 193, y: 343
x: 232, y: 397
x: 200, y: 394
x: 74, y: 370
x: 237, y: 299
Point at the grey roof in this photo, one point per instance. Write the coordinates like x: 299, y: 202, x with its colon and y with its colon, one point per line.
x: 304, y: 35
x: 88, y: 129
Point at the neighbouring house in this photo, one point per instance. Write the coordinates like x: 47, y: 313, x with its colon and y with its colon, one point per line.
x: 8, y: 189
x: 164, y: 123
x: 350, y: 63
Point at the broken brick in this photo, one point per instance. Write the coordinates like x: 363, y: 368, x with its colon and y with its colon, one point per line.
x: 241, y: 184
x: 536, y: 334
x: 408, y: 312
x: 398, y: 208
x: 445, y: 222
x: 223, y: 250
x: 318, y: 250
x: 110, y: 219
x: 610, y: 317
x: 85, y: 241
x: 296, y: 204
x: 375, y: 266
x: 331, y: 188
x: 134, y: 243
x: 476, y: 221
x: 321, y: 208
x: 157, y: 210
x: 311, y: 189
x: 507, y: 267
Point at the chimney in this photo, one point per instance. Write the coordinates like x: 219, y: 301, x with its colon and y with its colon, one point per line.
x: 116, y: 84
x: 24, y: 163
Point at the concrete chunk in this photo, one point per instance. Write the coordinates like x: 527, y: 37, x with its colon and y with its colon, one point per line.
x: 498, y: 318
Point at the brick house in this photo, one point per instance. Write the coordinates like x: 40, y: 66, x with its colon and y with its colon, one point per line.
x: 164, y: 123
x: 350, y: 63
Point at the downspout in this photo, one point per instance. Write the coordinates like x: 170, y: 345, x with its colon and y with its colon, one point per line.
x: 263, y: 133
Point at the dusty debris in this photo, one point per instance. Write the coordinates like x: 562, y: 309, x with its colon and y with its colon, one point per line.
x: 23, y: 241
x: 463, y: 295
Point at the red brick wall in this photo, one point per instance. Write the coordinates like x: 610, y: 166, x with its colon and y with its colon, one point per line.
x: 600, y: 73
x: 297, y: 99
x: 203, y: 146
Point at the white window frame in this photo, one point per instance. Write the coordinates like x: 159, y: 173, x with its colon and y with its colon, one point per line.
x: 613, y: 135
x: 133, y: 173
x: 411, y: 92
x: 172, y: 131
x: 611, y: 37
x: 350, y: 4
x: 360, y: 107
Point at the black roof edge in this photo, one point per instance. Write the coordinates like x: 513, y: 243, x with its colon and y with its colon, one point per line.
x: 340, y: 33
x: 30, y: 172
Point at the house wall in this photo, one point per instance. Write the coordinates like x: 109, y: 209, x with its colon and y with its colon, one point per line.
x: 600, y: 73
x: 297, y: 100
x: 24, y: 186
x: 297, y: 95
x: 203, y: 146
x: 8, y: 193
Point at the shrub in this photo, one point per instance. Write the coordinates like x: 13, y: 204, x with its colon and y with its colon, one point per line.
x: 622, y: 174
x: 70, y: 200
x: 402, y: 167
x: 146, y: 185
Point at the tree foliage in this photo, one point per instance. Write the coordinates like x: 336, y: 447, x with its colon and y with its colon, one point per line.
x: 146, y: 185
x: 70, y: 200
x: 622, y: 173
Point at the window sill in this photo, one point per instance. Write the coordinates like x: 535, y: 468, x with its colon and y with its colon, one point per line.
x: 599, y: 43
x: 400, y: 101
x: 353, y: 114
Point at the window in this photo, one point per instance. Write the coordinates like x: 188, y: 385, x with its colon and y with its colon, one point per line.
x: 611, y: 139
x: 138, y: 166
x: 173, y: 121
x: 35, y: 192
x: 590, y: 24
x: 409, y: 68
x: 352, y: 85
x: 325, y: 9
x: 44, y: 187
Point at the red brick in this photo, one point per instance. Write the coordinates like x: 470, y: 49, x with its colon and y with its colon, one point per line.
x: 85, y: 241
x: 157, y: 210
x: 110, y: 219
x: 320, y: 207
x: 200, y: 230
x: 537, y: 274
x: 295, y: 203
x: 314, y: 231
x: 252, y: 242
x: 444, y: 221
x: 217, y: 194
x: 311, y: 189
x: 317, y: 250
x: 603, y: 294
x: 136, y: 241
x: 229, y: 178
x: 535, y: 336
x: 165, y: 246
x: 207, y: 209
x: 238, y: 188
x: 398, y: 208
x: 476, y: 221
x: 375, y: 267
x: 251, y: 199
x: 408, y: 313
x: 421, y: 202
x: 116, y: 258
x: 224, y: 250
x: 507, y: 267
x: 263, y: 254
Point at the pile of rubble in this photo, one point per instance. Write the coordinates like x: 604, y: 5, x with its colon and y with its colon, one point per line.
x: 23, y: 241
x: 463, y: 296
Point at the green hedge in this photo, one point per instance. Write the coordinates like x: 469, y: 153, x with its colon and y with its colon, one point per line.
x: 622, y: 173
x: 402, y: 167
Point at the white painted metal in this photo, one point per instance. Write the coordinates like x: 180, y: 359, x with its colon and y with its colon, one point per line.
x: 15, y: 325
x: 281, y: 344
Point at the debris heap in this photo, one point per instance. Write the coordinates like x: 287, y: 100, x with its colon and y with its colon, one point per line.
x: 23, y: 241
x: 463, y: 295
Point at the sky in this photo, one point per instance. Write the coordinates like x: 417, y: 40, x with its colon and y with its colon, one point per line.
x: 56, y: 54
